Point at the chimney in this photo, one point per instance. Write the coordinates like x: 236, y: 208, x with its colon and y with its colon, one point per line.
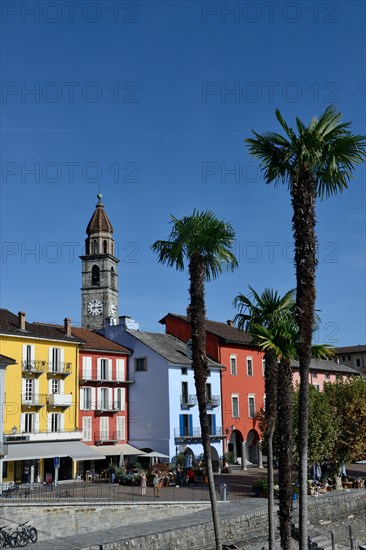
x: 67, y: 326
x: 21, y: 320
x: 230, y: 322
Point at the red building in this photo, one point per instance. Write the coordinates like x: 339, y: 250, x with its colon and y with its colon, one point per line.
x: 242, y: 382
x: 103, y: 409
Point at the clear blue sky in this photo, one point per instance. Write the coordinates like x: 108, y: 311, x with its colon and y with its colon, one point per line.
x: 150, y: 105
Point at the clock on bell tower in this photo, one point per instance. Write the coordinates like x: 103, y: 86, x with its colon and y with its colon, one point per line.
x: 99, y: 291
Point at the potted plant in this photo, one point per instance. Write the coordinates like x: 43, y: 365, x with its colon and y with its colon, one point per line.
x: 260, y: 488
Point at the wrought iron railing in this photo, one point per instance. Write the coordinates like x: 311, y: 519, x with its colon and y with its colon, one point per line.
x: 188, y: 400
x: 195, y: 432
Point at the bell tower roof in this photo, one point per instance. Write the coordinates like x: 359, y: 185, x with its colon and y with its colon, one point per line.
x: 99, y: 222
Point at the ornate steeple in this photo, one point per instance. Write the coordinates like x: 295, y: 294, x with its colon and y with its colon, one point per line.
x: 99, y: 292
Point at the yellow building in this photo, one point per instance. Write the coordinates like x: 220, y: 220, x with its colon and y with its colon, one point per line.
x: 41, y: 401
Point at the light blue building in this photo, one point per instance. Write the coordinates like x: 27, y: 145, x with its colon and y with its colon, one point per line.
x: 163, y: 409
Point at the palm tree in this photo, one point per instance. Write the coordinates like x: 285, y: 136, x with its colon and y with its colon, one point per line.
x: 203, y: 242
x: 317, y: 161
x: 256, y: 312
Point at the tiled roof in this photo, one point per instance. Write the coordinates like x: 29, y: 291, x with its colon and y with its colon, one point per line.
x: 328, y: 366
x: 99, y: 221
x: 94, y: 341
x: 351, y: 349
x: 9, y: 324
x: 226, y: 333
x: 169, y: 347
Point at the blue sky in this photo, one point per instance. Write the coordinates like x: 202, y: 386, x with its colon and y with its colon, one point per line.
x: 149, y: 102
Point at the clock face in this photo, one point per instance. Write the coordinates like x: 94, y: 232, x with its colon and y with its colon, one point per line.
x: 112, y: 309
x: 95, y: 307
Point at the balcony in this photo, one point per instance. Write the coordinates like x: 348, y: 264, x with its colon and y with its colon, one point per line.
x: 42, y: 435
x: 59, y: 369
x: 187, y: 434
x: 104, y: 437
x: 103, y: 381
x: 34, y: 367
x: 59, y: 400
x: 30, y: 399
x: 188, y: 400
x: 106, y: 406
x: 213, y: 401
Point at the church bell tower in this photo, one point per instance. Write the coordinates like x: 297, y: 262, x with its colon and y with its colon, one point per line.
x: 99, y: 291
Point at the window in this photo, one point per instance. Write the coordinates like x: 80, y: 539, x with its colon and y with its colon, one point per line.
x: 314, y: 374
x: 208, y: 392
x: 29, y: 390
x: 343, y: 357
x: 105, y: 247
x: 87, y: 428
x: 185, y: 425
x: 140, y: 364
x: 233, y: 369
x: 327, y: 375
x: 29, y: 423
x: 358, y: 362
x: 348, y: 358
x: 263, y: 367
x: 87, y: 368
x: 235, y: 406
x: 87, y: 399
x: 120, y: 428
x: 184, y: 393
x: 104, y: 428
x: 212, y: 423
x: 56, y: 360
x: 95, y: 275
x: 264, y: 402
x: 119, y: 399
x: 104, y: 401
x: 184, y: 371
x: 208, y: 373
x: 55, y: 386
x: 55, y: 422
x: 249, y: 366
x: 251, y: 406
x: 95, y: 247
x: 317, y: 387
x: 120, y: 369
x: 104, y: 369
x: 28, y: 353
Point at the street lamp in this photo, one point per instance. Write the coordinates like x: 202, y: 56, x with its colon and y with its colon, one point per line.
x: 14, y: 430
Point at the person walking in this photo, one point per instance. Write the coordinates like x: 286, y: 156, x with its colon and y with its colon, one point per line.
x: 143, y: 484
x: 156, y: 482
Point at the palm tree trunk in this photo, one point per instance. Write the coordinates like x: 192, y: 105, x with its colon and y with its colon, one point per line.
x: 303, y: 198
x: 270, y: 413
x: 284, y: 404
x: 199, y: 364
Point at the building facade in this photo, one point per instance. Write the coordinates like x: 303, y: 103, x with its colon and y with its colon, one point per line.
x: 41, y: 400
x: 353, y: 356
x: 163, y: 409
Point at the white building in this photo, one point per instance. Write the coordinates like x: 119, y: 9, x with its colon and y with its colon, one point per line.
x: 163, y: 409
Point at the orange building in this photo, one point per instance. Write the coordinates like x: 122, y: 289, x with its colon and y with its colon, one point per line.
x: 242, y: 383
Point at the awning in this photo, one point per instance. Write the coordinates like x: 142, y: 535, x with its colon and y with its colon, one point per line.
x: 77, y: 450
x: 120, y: 449
x: 154, y: 454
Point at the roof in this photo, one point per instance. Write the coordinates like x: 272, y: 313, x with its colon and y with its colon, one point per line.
x: 328, y: 366
x: 9, y: 324
x: 351, y: 349
x: 99, y: 221
x: 226, y: 333
x: 97, y: 342
x: 168, y: 346
x: 4, y: 360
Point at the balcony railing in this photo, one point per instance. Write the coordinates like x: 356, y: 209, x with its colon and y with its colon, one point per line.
x: 59, y: 400
x: 59, y: 368
x: 34, y: 366
x: 110, y: 406
x: 213, y: 401
x: 195, y: 433
x: 94, y: 379
x: 31, y: 399
x: 104, y: 437
x: 188, y: 400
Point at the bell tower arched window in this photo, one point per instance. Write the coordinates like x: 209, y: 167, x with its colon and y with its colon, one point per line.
x: 95, y: 247
x: 95, y: 275
x: 105, y: 247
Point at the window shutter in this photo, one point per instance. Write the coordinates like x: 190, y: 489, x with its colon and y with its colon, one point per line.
x: 120, y: 370
x: 123, y: 399
x: 99, y: 372
x: 62, y: 357
x: 190, y: 425
x: 110, y: 399
x: 110, y: 369
x: 99, y: 397
x: 49, y: 422
x: 82, y: 399
x: 181, y: 425
x: 50, y: 351
x: 87, y: 368
x: 36, y: 424
x: 62, y: 422
x: 22, y: 423
x: 213, y: 424
x: 93, y: 400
